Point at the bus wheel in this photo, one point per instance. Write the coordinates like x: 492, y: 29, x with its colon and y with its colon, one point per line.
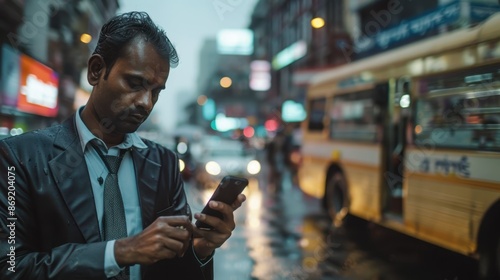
x: 489, y: 260
x: 336, y: 199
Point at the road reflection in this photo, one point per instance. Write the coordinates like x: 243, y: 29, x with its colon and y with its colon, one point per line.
x: 285, y: 235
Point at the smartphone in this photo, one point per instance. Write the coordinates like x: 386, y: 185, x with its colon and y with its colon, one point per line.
x: 227, y: 191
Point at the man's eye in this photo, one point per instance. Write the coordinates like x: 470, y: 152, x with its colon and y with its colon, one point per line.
x: 134, y: 84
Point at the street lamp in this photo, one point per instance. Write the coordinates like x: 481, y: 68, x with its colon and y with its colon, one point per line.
x: 225, y: 82
x: 202, y: 99
x: 85, y: 38
x: 317, y: 22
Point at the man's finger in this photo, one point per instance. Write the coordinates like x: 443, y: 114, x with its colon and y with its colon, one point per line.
x: 239, y: 201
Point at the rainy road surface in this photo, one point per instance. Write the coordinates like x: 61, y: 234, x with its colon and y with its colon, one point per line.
x: 286, y: 236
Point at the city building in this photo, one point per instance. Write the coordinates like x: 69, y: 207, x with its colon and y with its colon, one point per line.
x: 44, y: 50
x: 226, y: 102
x: 301, y: 38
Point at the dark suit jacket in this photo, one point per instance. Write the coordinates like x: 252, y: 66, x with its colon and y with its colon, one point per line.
x: 56, y: 233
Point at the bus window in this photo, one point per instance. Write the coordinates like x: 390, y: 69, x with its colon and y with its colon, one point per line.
x: 316, y: 114
x: 354, y: 117
x: 461, y: 117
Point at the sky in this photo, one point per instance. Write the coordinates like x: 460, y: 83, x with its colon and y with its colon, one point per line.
x: 188, y: 24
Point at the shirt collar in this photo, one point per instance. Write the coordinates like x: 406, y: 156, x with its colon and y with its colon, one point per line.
x: 130, y: 140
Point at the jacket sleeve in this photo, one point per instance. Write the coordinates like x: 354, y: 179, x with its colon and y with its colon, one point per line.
x: 172, y: 194
x: 20, y: 253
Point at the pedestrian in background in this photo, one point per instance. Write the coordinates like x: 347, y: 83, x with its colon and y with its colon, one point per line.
x: 92, y: 199
x: 276, y: 160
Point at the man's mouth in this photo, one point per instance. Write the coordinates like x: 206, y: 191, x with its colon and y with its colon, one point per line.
x: 138, y: 117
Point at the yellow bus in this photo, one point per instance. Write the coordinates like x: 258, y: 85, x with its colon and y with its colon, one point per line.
x: 410, y: 139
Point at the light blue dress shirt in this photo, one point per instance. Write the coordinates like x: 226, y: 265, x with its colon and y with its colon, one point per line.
x: 128, y: 187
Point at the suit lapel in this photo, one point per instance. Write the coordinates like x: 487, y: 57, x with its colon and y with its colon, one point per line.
x: 147, y: 174
x: 71, y: 176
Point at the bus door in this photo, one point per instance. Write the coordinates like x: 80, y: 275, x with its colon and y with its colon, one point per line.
x: 394, y: 143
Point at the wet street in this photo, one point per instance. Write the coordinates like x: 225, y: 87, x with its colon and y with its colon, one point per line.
x: 285, y: 235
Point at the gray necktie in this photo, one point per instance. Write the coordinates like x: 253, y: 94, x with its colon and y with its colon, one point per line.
x: 114, y: 223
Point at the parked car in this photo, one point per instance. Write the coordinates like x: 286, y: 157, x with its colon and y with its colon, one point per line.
x: 225, y: 157
x: 186, y: 161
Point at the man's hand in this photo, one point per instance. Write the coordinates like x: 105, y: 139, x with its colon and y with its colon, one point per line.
x: 205, y: 241
x: 165, y: 238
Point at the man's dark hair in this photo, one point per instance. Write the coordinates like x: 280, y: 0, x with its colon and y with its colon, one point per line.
x: 121, y: 29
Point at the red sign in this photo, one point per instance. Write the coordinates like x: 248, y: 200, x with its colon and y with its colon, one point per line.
x: 39, y: 88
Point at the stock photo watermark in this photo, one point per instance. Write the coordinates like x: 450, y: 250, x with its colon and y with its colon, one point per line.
x: 11, y: 219
x: 222, y: 7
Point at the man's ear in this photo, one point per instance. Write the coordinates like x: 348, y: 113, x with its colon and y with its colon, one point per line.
x: 96, y: 69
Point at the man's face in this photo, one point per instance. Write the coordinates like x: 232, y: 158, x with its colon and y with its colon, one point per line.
x: 125, y: 99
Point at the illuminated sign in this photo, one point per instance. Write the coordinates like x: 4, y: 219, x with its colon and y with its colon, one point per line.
x: 38, y: 90
x: 293, y: 111
x: 260, y: 76
x: 235, y: 42
x: 289, y: 55
x: 223, y: 123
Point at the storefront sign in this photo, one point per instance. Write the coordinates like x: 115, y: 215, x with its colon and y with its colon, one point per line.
x: 289, y: 55
x: 39, y: 88
x: 409, y: 30
x: 423, y: 26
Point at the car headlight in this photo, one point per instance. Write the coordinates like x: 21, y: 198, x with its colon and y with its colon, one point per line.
x: 212, y: 168
x: 182, y: 165
x: 253, y: 167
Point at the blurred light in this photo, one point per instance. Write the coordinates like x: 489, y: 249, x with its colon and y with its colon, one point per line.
x: 38, y: 88
x: 260, y: 81
x: 253, y: 167
x: 293, y: 111
x: 418, y: 129
x: 405, y: 101
x: 209, y: 109
x: 366, y: 76
x: 235, y: 41
x: 226, y: 82
x: 317, y: 22
x: 85, y: 38
x: 202, y: 99
x: 260, y: 77
x: 304, y: 242
x: 248, y: 131
x: 416, y: 67
x: 223, y: 123
x: 271, y: 125
x: 182, y: 148
x: 182, y: 165
x: 290, y: 54
x: 4, y: 130
x: 254, y: 208
x: 213, y: 168
x: 16, y: 131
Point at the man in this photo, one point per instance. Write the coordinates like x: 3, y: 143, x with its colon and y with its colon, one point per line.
x: 89, y: 199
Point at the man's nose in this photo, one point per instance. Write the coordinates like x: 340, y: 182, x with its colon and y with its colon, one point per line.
x: 145, y: 100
